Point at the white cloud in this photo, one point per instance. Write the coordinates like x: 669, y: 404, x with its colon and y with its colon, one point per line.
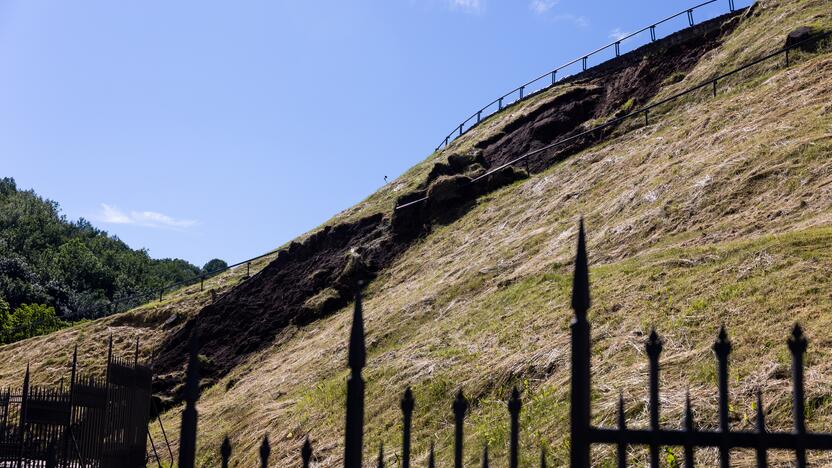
x: 617, y: 34
x: 542, y: 6
x: 112, y: 215
x: 473, y: 6
x: 577, y: 21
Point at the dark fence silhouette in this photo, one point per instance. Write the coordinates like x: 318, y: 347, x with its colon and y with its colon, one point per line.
x: 582, y: 432
x: 92, y: 422
x: 644, y: 112
x: 550, y: 78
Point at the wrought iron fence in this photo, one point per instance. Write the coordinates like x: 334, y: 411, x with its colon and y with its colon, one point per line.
x: 92, y: 423
x: 583, y: 434
x: 550, y: 78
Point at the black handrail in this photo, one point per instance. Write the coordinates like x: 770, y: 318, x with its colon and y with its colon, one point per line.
x: 459, y: 130
x: 644, y: 110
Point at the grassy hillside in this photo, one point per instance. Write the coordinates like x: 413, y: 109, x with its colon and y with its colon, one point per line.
x: 716, y: 212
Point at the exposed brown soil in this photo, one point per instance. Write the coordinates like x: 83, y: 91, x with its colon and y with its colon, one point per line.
x: 332, y: 261
x: 312, y: 279
x: 616, y: 88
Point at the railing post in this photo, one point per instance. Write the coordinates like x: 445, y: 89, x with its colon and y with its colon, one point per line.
x: 542, y: 457
x: 500, y: 104
x: 160, y: 295
x: 653, y: 33
x: 514, y: 406
x: 407, y: 405
x: 306, y: 452
x: 618, y: 48
x: 580, y: 384
x: 225, y: 451
x: 690, y: 17
x: 654, y: 349
x: 460, y: 407
x: 202, y: 283
x: 248, y: 269
x: 554, y: 76
x: 522, y: 88
x: 485, y: 456
x: 583, y: 62
x: 797, y: 346
x: 479, y: 116
x: 731, y: 5
x: 460, y: 129
x: 357, y: 356
x: 722, y: 348
x: 187, y: 432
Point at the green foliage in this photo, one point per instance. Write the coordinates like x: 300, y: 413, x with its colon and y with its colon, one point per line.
x: 77, y: 269
x: 28, y: 320
x: 214, y: 265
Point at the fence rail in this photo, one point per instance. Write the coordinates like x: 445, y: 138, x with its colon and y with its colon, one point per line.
x: 583, y: 434
x: 551, y: 77
x: 644, y: 112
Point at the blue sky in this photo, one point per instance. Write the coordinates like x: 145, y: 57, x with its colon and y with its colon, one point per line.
x: 201, y: 129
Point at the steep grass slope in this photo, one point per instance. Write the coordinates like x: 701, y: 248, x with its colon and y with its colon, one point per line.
x: 716, y: 212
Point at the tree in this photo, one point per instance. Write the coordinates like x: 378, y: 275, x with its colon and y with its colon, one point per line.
x: 31, y: 320
x: 214, y: 266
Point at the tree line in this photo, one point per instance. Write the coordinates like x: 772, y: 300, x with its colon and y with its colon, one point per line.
x: 69, y: 269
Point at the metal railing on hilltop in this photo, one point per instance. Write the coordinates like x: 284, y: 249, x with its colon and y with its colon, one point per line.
x: 645, y: 111
x: 137, y: 299
x: 550, y: 78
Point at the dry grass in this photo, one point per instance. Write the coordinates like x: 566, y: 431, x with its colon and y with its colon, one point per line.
x: 718, y: 212
x: 50, y: 355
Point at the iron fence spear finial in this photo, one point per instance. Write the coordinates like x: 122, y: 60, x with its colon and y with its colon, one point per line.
x: 580, y: 382
x: 689, y: 428
x: 580, y: 282
x: 431, y: 457
x: 407, y: 404
x: 225, y: 451
x: 485, y: 456
x: 514, y: 406
x: 621, y: 451
x: 460, y: 407
x: 380, y: 462
x: 654, y: 349
x: 762, y: 455
x: 306, y: 452
x: 265, y: 451
x: 797, y: 346
x: 353, y: 437
x: 722, y: 348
